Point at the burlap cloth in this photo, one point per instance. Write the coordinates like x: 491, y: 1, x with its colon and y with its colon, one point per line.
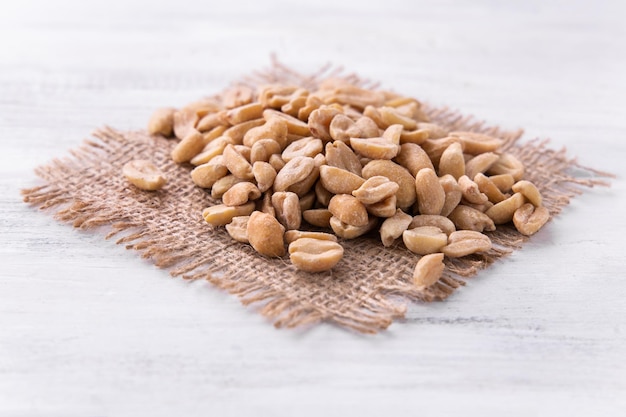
x: 368, y: 289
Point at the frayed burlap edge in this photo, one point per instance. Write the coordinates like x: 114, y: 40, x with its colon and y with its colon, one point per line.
x: 365, y: 292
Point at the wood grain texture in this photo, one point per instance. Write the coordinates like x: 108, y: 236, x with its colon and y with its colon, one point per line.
x: 89, y: 329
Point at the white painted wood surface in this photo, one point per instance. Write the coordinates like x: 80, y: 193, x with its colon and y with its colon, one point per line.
x: 89, y: 329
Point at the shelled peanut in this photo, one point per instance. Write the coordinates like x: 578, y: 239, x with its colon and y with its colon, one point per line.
x: 347, y: 160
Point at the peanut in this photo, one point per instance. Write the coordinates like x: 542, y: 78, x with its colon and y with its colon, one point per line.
x: 238, y: 228
x: 315, y: 255
x: 375, y: 190
x: 393, y: 227
x: 529, y: 191
x: 503, y: 211
x: 446, y: 225
x: 430, y: 193
x: 162, y: 122
x: 317, y: 217
x: 406, y: 195
x: 428, y: 270
x: 467, y: 218
x: 266, y: 234
x: 144, y: 175
x: 477, y: 143
x: 375, y: 148
x: 293, y: 172
x: 339, y: 155
x: 424, y: 240
x: 221, y: 215
x: 287, y: 208
x: 240, y: 193
x: 348, y: 209
x: 189, y: 147
x: 452, y: 161
x: 347, y: 231
x: 528, y: 219
x: 466, y: 242
x: 292, y: 235
x: 339, y: 181
x: 237, y: 164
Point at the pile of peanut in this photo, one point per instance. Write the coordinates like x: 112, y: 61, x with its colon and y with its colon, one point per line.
x: 346, y: 161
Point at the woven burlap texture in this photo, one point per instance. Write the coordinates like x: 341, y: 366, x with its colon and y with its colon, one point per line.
x: 366, y: 291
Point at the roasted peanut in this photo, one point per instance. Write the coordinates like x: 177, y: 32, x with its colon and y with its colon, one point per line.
x: 406, y: 195
x: 466, y: 242
x: 263, y: 149
x: 221, y: 215
x: 480, y: 164
x: 434, y: 131
x: 287, y: 208
x: 368, y: 127
x: 453, y: 194
x: 445, y: 224
x: 264, y: 174
x: 434, y: 148
x: 240, y: 194
x: 237, y: 96
x: 467, y: 218
x: 223, y: 184
x: 320, y: 120
x: 206, y: 175
x: 184, y: 122
x: 348, y: 209
x: 375, y: 148
x: 452, y: 161
x: 504, y: 182
x: 211, y: 150
x: 293, y: 172
x: 339, y: 181
x: 144, y: 175
x: 189, y: 147
x: 266, y: 234
x: 237, y: 164
x: 477, y: 143
x: 303, y: 147
x: 424, y: 240
x: 528, y: 219
x: 428, y: 270
x: 162, y: 122
x: 529, y: 191
x: 391, y: 116
x: 393, y: 227
x: 292, y: 235
x: 238, y: 132
x: 507, y: 164
x: 430, y: 194
x: 342, y: 128
x: 347, y: 231
x: 339, y: 155
x: 393, y: 134
x: 317, y: 217
x: 315, y: 255
x: 375, y: 190
x: 385, y: 208
x: 413, y: 158
x: 244, y: 113
x: 470, y: 191
x: 487, y: 187
x: 237, y: 228
x: 503, y: 211
x: 275, y: 128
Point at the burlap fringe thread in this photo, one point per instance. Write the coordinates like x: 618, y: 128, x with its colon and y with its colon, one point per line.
x: 365, y: 292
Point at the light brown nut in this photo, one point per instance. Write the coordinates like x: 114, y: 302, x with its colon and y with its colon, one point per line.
x: 265, y: 234
x: 480, y: 163
x: 391, y: 116
x: 396, y: 100
x: 244, y: 113
x: 238, y: 132
x: 292, y: 235
x: 215, y: 133
x: 276, y: 161
x: 293, y: 172
x: 315, y: 255
x: 348, y: 209
x: 184, y: 122
x: 393, y: 227
x: 373, y: 113
x: 304, y: 186
x: 293, y: 107
x: 206, y: 175
x: 430, y: 193
x: 354, y: 96
x: 452, y: 161
x: 223, y: 184
x: 237, y: 228
x: 405, y: 196
x: 453, y: 194
x: 237, y: 96
x: 375, y: 190
x: 435, y: 147
x: 274, y: 128
x: 322, y: 194
x: 424, y: 240
x: 347, y: 231
x: 434, y: 130
x: 342, y: 128
x: 211, y: 150
x: 410, y: 110
x: 320, y: 120
x: 428, y: 270
x: 339, y: 181
x: 162, y: 122
x: 307, y: 201
x: 294, y: 125
x: 237, y: 164
x: 504, y: 182
x: 487, y: 187
x: 187, y: 148
x: 266, y: 204
x: 317, y: 217
x: 413, y: 158
x: 302, y: 147
x: 368, y: 127
x: 275, y: 95
x: 264, y: 174
x: 445, y: 224
x: 528, y: 219
x: 507, y: 164
x: 393, y: 134
x: 467, y: 218
x: 144, y: 175
x: 240, y: 193
x: 477, y: 143
x: 212, y: 121
x: 482, y: 207
x: 287, y: 207
x: 375, y: 148
x: 466, y: 242
x: 339, y: 155
x: 244, y: 151
x: 417, y: 137
x: 263, y: 149
x: 503, y: 211
x: 221, y: 215
x: 470, y: 191
x: 312, y: 102
x: 529, y: 191
x: 385, y: 208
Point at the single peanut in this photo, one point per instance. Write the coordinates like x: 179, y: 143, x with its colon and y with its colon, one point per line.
x: 529, y: 191
x: 424, y: 240
x: 240, y: 194
x: 144, y: 175
x: 428, y: 270
x: 528, y: 219
x: 238, y: 228
x: 466, y: 242
x: 162, y: 122
x: 315, y: 255
x: 393, y: 227
x: 287, y: 208
x: 339, y: 181
x: 348, y: 209
x: 266, y: 234
x: 467, y: 218
x: 430, y: 194
x: 221, y: 215
x: 445, y: 224
x: 503, y: 211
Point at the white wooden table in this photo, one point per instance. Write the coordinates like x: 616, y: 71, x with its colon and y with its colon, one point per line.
x: 89, y: 329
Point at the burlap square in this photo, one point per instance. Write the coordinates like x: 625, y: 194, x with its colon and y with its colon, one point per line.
x: 369, y: 288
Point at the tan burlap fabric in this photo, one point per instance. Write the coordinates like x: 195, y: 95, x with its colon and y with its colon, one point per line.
x: 369, y: 288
